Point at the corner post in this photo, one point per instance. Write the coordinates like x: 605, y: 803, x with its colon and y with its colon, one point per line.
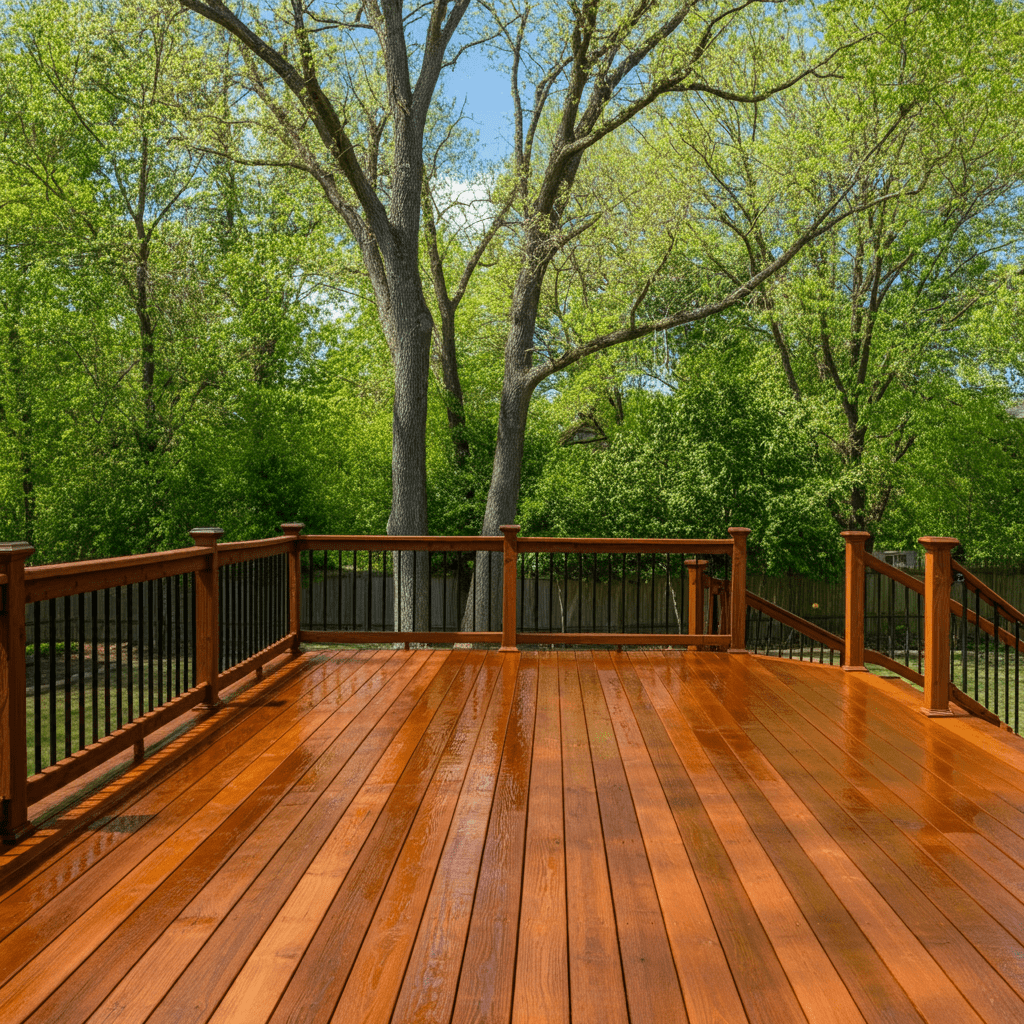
x: 293, y: 530
x: 208, y: 614
x: 509, y: 610
x: 938, y: 579
x: 14, y: 823
x: 738, y: 594
x: 853, y: 641
x: 695, y: 570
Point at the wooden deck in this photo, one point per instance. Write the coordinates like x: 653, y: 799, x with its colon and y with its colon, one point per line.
x: 456, y: 836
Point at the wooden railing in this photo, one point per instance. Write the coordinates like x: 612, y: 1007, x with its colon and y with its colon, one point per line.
x: 350, y: 600
x: 225, y: 609
x: 186, y: 623
x: 162, y: 615
x: 928, y: 655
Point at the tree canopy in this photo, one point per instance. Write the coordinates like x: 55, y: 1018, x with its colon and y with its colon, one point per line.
x: 753, y: 264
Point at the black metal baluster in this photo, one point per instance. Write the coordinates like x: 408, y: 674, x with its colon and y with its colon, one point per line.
x: 963, y: 635
x: 985, y: 636
x: 68, y: 644
x: 263, y: 594
x: 149, y: 641
x: 159, y: 626
x: 975, y: 647
x: 1016, y: 676
x: 193, y: 646
x: 94, y: 608
x: 177, y: 636
x: 323, y: 613
x: 995, y: 652
x: 143, y: 648
x: 565, y: 591
x: 245, y: 608
x: 369, y: 582
x: 131, y: 654
x: 551, y: 592
x: 37, y: 697
x: 224, y: 615
x: 117, y: 664
x: 415, y: 560
x: 106, y: 661
x: 637, y: 624
x: 355, y: 599
x: 579, y: 592
x: 906, y: 610
x: 81, y: 671
x: 51, y: 615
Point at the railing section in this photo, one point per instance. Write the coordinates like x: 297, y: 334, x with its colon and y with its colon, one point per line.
x: 984, y: 648
x: 358, y: 590
x: 98, y: 660
x: 511, y: 590
x: 622, y: 592
x: 95, y: 656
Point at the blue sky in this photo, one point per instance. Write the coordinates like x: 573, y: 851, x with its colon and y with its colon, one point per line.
x: 488, y: 101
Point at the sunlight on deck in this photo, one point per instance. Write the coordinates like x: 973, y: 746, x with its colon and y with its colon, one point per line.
x: 456, y: 836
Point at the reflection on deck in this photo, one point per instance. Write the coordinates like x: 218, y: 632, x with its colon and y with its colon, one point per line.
x: 474, y: 836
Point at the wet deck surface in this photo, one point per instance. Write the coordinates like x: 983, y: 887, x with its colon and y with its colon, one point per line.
x: 459, y: 836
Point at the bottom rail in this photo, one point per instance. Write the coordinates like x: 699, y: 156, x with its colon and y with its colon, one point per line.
x: 49, y: 780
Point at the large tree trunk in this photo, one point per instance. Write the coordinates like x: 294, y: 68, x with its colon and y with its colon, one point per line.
x: 517, y: 389
x: 408, y: 327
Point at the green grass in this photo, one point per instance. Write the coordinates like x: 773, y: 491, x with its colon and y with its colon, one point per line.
x: 80, y: 712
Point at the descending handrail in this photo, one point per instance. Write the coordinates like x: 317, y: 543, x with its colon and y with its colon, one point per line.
x: 994, y: 599
x: 885, y: 569
x: 788, y: 618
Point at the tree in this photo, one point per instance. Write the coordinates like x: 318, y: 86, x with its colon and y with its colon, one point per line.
x: 874, y: 325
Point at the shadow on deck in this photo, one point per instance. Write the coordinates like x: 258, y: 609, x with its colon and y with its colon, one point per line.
x: 475, y: 836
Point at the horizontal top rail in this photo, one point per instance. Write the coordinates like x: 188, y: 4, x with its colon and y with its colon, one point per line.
x: 989, y: 594
x: 885, y: 569
x: 615, y: 546
x: 242, y: 550
x: 94, y: 565
x: 84, y: 577
x: 328, y: 542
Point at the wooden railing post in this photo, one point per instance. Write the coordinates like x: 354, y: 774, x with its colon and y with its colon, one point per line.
x: 938, y: 580
x: 14, y: 823
x: 853, y: 634
x: 695, y: 619
x: 293, y: 530
x: 738, y: 594
x: 509, y: 610
x: 208, y: 615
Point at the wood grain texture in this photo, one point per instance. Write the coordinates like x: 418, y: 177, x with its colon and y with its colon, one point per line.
x: 652, y: 986
x: 416, y: 836
x: 542, y: 969
x: 306, y: 870
x: 488, y: 966
x: 595, y: 968
x: 427, y: 992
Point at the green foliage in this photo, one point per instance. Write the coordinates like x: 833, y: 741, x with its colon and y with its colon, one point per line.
x: 721, y: 448
x: 186, y: 339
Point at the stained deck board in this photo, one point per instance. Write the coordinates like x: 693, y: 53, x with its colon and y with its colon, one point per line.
x: 579, y: 836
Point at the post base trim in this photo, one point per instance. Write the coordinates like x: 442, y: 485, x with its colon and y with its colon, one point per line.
x: 853, y: 668
x: 508, y: 650
x: 937, y: 713
x: 736, y: 650
x: 11, y: 836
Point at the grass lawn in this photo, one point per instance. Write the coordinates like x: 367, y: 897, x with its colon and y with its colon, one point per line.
x: 81, y: 714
